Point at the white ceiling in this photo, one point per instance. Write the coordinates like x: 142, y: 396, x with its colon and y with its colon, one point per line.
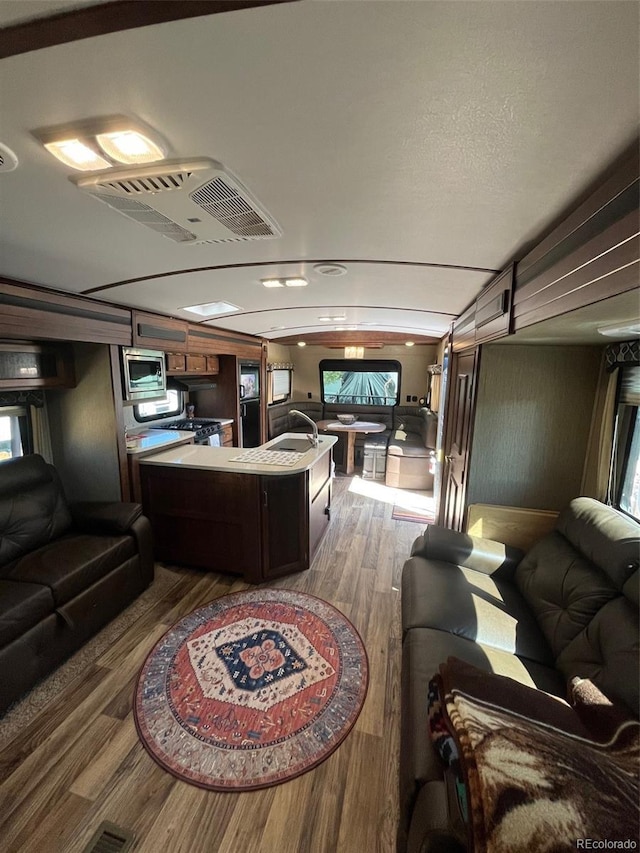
x: 448, y: 134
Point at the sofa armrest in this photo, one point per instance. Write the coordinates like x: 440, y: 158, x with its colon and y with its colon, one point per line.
x: 106, y: 517
x: 461, y: 549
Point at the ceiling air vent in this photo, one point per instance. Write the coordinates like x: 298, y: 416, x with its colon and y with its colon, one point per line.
x: 8, y: 160
x: 189, y: 202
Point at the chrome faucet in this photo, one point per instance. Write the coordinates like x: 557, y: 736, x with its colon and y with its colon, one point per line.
x: 315, y: 441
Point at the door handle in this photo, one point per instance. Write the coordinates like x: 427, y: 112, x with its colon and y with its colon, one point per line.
x: 448, y: 459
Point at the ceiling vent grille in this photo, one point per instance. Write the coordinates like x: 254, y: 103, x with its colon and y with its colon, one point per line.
x: 8, y: 160
x: 197, y: 202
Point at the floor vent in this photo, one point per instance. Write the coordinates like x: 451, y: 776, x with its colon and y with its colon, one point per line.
x: 109, y: 838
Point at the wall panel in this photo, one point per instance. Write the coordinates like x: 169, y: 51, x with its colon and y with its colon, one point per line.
x: 532, y: 424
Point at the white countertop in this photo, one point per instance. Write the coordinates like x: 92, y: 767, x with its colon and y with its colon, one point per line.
x: 146, y: 440
x: 204, y: 458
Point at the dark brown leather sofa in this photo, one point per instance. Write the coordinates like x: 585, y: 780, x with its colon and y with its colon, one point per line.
x: 569, y: 607
x: 65, y: 570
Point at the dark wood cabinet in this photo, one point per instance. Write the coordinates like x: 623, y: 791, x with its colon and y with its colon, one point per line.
x: 190, y: 363
x: 253, y: 525
x: 195, y: 363
x: 35, y: 365
x: 227, y: 435
x: 153, y: 331
x: 176, y: 362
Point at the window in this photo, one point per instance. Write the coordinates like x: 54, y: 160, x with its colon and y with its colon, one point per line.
x: 169, y: 407
x: 15, y: 434
x: 626, y: 457
x: 280, y: 385
x: 630, y: 486
x: 358, y: 382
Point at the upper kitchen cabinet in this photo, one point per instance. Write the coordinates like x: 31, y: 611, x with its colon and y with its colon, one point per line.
x: 153, y: 331
x: 35, y: 313
x: 25, y: 365
x: 207, y: 340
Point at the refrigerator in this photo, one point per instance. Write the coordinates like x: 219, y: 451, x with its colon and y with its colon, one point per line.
x: 249, y: 391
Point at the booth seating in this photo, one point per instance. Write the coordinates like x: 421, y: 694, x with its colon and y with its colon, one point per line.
x: 65, y: 570
x: 403, y: 455
x: 411, y: 449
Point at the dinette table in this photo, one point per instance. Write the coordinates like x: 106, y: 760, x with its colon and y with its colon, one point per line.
x: 351, y: 430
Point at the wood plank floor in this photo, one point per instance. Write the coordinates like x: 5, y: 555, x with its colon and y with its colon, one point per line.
x: 79, y: 762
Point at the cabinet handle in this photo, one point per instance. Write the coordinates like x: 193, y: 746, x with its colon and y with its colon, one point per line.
x: 327, y: 512
x: 449, y: 459
x: 265, y: 498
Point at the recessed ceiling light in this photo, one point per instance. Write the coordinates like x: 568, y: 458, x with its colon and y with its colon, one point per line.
x: 208, y: 309
x: 346, y: 328
x: 334, y: 319
x: 272, y: 282
x: 409, y: 343
x: 301, y: 344
x: 295, y: 282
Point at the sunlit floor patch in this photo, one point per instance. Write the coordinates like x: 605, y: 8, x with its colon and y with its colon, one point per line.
x: 405, y: 498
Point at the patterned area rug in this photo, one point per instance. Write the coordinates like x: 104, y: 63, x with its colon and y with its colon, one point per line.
x: 251, y: 690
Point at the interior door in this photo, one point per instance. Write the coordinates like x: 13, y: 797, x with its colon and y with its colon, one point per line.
x: 462, y: 384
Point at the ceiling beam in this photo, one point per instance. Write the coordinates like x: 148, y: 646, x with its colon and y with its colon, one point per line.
x: 371, y: 339
x: 111, y: 17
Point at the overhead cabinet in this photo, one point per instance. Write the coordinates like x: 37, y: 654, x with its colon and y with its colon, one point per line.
x: 36, y: 365
x: 493, y: 308
x: 152, y: 331
x: 191, y: 363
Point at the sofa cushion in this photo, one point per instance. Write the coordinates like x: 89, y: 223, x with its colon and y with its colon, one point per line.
x: 605, y: 536
x: 403, y: 443
x: 423, y: 650
x: 563, y: 589
x: 607, y: 651
x: 23, y: 605
x: 71, y: 563
x: 33, y: 509
x: 470, y: 604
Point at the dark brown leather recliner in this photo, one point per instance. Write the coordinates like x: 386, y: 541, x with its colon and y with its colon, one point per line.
x: 65, y: 570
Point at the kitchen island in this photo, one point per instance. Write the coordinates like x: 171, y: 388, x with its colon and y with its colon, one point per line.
x: 220, y: 509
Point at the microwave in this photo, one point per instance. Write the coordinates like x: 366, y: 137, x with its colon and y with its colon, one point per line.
x: 143, y: 375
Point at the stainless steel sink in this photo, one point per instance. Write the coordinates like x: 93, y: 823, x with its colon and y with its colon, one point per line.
x: 294, y: 445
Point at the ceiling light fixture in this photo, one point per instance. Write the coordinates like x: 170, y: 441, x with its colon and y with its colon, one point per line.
x: 209, y: 309
x: 334, y: 319
x: 129, y: 147
x: 409, y: 343
x: 101, y: 143
x: 284, y: 281
x: 77, y: 155
x: 354, y: 352
x: 301, y: 344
